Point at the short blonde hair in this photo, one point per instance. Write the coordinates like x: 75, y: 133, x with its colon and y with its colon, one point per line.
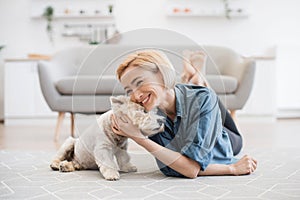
x: 152, y: 60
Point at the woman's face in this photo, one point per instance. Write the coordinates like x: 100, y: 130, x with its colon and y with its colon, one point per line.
x: 143, y: 86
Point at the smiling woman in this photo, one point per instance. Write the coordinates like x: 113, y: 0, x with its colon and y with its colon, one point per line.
x: 145, y: 75
x: 200, y: 137
x: 144, y: 89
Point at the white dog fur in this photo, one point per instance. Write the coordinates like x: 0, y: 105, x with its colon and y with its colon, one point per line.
x: 98, y: 145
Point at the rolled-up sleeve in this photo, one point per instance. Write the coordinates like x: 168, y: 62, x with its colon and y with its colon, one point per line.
x: 167, y: 171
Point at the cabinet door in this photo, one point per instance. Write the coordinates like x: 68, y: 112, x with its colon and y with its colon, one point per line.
x: 18, y: 89
x: 262, y: 100
x: 288, y: 81
x: 22, y: 91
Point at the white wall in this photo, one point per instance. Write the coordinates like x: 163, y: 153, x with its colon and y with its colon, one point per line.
x: 271, y: 22
x: 22, y: 34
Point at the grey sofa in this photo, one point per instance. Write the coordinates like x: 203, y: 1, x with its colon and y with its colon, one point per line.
x: 81, y: 79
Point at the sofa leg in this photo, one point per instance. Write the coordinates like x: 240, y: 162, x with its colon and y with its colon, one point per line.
x: 72, y: 124
x: 233, y: 114
x: 60, y: 119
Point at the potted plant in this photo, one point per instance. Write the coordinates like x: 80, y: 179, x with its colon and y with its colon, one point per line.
x: 48, y: 15
x: 110, y: 8
x: 227, y: 9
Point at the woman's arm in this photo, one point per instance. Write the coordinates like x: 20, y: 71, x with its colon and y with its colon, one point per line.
x: 191, y: 168
x: 246, y: 165
x: 179, y: 162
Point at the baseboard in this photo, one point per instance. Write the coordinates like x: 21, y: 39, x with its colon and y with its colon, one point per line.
x: 48, y: 120
x: 31, y: 121
x: 288, y: 113
x: 279, y: 114
x: 256, y: 118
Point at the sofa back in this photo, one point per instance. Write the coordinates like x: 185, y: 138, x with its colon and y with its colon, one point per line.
x: 104, y: 59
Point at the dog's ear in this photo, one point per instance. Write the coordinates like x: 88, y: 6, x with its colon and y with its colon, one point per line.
x: 116, y: 100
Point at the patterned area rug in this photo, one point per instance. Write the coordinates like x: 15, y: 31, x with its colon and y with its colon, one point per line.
x: 26, y: 175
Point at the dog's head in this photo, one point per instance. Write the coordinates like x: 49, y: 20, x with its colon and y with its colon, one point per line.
x: 149, y: 123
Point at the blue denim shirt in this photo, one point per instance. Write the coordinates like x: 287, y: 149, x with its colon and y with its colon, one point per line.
x: 197, y: 130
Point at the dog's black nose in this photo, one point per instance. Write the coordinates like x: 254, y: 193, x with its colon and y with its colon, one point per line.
x: 160, y: 121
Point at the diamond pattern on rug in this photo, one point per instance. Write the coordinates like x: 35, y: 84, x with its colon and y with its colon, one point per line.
x: 27, y: 175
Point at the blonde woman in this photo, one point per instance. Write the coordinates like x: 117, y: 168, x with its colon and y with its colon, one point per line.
x: 197, y: 140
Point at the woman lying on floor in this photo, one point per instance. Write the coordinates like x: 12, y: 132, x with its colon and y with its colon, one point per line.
x: 200, y: 137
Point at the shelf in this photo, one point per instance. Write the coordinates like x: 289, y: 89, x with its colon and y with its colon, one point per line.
x: 208, y: 8
x: 208, y: 13
x: 72, y: 16
x: 66, y: 9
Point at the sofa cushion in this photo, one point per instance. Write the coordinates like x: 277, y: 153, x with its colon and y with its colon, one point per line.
x: 222, y: 84
x: 89, y: 85
x: 108, y: 85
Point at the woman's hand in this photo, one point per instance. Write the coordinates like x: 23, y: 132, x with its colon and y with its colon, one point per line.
x: 122, y: 125
x: 246, y: 165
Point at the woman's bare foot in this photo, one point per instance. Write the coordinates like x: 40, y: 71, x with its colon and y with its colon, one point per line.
x: 246, y: 165
x: 188, y: 69
x: 193, y: 66
x: 198, y: 61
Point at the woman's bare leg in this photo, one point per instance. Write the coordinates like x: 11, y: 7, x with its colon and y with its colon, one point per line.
x: 188, y: 70
x: 193, y: 66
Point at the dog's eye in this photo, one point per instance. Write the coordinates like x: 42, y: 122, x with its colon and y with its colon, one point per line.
x: 128, y: 92
x: 139, y: 83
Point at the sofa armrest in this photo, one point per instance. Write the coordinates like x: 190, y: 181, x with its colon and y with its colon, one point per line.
x: 245, y: 82
x: 47, y: 82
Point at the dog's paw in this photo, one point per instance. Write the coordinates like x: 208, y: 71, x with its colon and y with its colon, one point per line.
x: 129, y: 168
x: 55, y: 165
x: 66, y: 166
x: 110, y: 174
